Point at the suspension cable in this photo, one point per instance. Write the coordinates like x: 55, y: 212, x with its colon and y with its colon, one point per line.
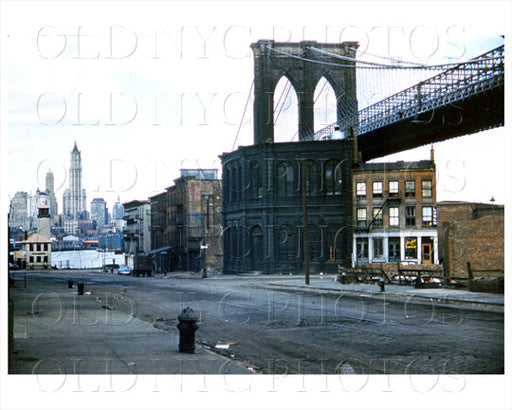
x: 289, y: 87
x: 416, y: 66
x: 243, y: 115
x: 372, y: 65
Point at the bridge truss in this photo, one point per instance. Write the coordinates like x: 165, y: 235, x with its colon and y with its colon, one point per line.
x: 471, y: 81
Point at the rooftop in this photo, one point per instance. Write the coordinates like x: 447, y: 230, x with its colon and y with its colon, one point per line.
x: 397, y: 166
x: 37, y: 238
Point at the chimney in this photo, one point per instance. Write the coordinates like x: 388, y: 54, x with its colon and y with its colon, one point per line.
x: 432, y: 153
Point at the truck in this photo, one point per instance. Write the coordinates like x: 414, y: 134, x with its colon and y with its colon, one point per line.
x: 142, y: 265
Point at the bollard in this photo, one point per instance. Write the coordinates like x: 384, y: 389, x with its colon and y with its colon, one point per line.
x: 80, y: 287
x: 382, y: 285
x: 187, y: 327
x: 70, y: 283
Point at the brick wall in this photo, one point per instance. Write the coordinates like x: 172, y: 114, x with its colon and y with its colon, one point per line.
x: 471, y: 233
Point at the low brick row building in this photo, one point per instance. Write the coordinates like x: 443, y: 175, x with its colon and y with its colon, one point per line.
x: 471, y: 239
x: 180, y: 229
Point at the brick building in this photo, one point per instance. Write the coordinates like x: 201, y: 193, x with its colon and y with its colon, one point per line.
x: 195, y: 231
x: 137, y: 234
x: 471, y: 239
x: 394, y: 213
x: 186, y: 227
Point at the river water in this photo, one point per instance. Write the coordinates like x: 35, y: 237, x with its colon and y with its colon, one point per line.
x: 85, y: 259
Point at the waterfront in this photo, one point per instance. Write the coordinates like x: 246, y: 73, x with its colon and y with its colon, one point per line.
x: 81, y: 259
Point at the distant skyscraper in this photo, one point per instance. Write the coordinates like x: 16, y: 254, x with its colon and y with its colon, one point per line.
x: 118, y: 210
x: 50, y: 191
x: 19, y: 211
x: 75, y: 196
x: 99, y: 211
x: 37, y: 200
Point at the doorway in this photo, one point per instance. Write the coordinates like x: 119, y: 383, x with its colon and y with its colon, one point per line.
x: 427, y: 255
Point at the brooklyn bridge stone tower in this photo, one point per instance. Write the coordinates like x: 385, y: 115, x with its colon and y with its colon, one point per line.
x: 263, y: 201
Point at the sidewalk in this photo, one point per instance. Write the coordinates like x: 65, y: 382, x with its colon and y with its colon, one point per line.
x: 57, y: 331
x: 441, y: 297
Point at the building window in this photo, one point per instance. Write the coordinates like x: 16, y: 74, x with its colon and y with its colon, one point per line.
x: 411, y: 247
x: 286, y: 245
x: 311, y: 172
x: 362, y: 248
x: 410, y: 188
x: 377, y: 217
x: 361, y: 217
x: 393, y: 189
x: 229, y: 185
x: 410, y: 216
x: 394, y: 216
x: 426, y: 188
x: 234, y: 185
x: 334, y: 242
x: 256, y: 181
x: 31, y: 259
x: 394, y: 249
x: 239, y: 184
x: 314, y: 242
x: 285, y: 179
x: 378, y: 248
x: 427, y: 216
x: 333, y: 177
x: 38, y: 259
x: 361, y: 189
x: 377, y: 189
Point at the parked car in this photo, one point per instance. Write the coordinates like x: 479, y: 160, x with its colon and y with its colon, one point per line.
x: 123, y: 270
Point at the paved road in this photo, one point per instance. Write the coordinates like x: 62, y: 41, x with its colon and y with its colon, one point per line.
x: 270, y: 329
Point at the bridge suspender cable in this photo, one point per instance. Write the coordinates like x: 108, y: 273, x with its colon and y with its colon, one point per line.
x: 243, y: 115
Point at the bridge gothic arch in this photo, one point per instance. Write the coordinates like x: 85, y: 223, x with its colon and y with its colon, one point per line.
x: 303, y: 65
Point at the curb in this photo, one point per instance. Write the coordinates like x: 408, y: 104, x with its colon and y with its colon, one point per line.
x: 444, y: 302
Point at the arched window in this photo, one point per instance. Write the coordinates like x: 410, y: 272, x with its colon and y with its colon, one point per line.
x: 256, y: 248
x: 228, y: 243
x: 256, y: 181
x: 333, y: 182
x: 239, y: 183
x: 234, y: 186
x: 225, y: 186
x: 285, y: 179
x: 229, y: 185
x: 334, y: 242
x: 286, y: 244
x: 314, y: 242
x: 312, y: 177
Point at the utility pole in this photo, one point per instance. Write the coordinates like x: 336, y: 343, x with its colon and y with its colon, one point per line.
x: 305, y: 220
